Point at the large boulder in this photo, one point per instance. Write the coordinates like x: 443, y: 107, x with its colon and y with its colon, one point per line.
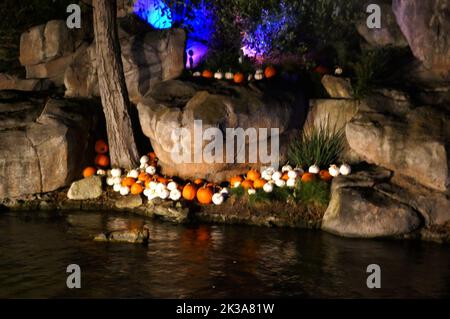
x: 13, y: 82
x: 86, y: 188
x: 175, y: 105
x: 44, y: 149
x: 357, y: 210
x: 389, y: 34
x: 411, y: 140
x: 148, y: 57
x: 426, y: 26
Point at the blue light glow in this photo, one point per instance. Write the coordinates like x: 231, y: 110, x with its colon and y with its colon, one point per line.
x: 198, y: 22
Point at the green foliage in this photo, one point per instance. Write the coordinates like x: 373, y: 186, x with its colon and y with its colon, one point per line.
x: 321, y: 145
x: 313, y: 193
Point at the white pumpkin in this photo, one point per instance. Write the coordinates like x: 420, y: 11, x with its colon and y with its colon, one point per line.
x: 276, y: 176
x: 259, y: 71
x: 160, y: 187
x: 250, y: 77
x: 133, y: 174
x: 144, y: 159
x: 117, y: 180
x: 333, y: 170
x: 280, y: 182
x: 152, y: 185
x: 116, y: 172
x: 291, y: 182
x: 217, y: 199
x: 101, y: 172
x: 268, y: 187
x: 224, y: 191
x: 143, y: 167
x: 117, y: 187
x: 175, y: 194
x: 124, y: 190
x: 286, y: 168
x: 110, y: 181
x: 299, y: 171
x: 259, y: 76
x: 197, y: 74
x: 314, y: 169
x: 292, y: 174
x: 218, y: 75
x: 345, y: 169
x: 172, y: 186
x: 338, y: 71
x: 151, y: 170
x: 164, y: 194
x: 251, y: 191
x: 229, y: 76
x: 265, y: 175
x: 236, y: 184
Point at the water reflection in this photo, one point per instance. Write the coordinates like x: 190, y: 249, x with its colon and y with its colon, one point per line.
x: 207, y: 261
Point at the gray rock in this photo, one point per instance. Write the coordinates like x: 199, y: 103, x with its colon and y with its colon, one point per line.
x: 365, y: 213
x: 129, y: 202
x: 409, y: 140
x: 389, y: 34
x: 426, y: 25
x: 13, y: 82
x: 337, y: 87
x: 148, y: 58
x: 172, y: 105
x: 125, y: 236
x: 43, y: 149
x: 86, y: 188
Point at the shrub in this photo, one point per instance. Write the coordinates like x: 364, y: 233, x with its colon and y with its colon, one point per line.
x: 321, y: 145
x: 315, y: 193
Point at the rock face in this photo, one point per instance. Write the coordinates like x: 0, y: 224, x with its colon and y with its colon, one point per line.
x: 148, y: 58
x: 174, y: 105
x: 389, y: 34
x: 86, y: 188
x: 355, y: 210
x: 426, y: 26
x: 47, y: 50
x: 13, y: 82
x: 337, y: 87
x: 410, y: 140
x: 42, y: 148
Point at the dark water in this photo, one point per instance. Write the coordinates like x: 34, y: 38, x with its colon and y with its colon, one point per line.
x: 207, y: 261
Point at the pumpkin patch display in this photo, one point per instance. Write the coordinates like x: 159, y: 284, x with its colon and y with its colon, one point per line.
x: 102, y: 160
x: 259, y: 183
x: 89, y: 171
x: 204, y: 195
x: 189, y: 192
x: 235, y: 181
x: 101, y: 147
x: 325, y: 175
x: 247, y: 184
x: 128, y: 181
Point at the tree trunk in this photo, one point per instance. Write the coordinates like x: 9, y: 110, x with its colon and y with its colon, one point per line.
x: 112, y: 86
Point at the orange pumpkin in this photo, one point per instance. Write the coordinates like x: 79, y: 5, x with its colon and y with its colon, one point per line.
x: 204, y: 195
x: 102, y: 160
x: 308, y: 177
x: 143, y: 177
x: 189, y: 191
x: 136, y: 189
x: 247, y: 184
x: 325, y: 175
x: 270, y: 72
x: 236, y: 179
x: 207, y: 74
x: 128, y: 181
x: 101, y: 147
x: 259, y: 183
x: 162, y: 180
x: 152, y: 156
x: 199, y: 181
x: 89, y: 171
x: 238, y: 78
x: 253, y: 175
x: 285, y: 176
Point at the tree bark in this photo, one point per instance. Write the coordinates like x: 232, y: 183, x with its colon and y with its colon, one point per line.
x: 112, y: 86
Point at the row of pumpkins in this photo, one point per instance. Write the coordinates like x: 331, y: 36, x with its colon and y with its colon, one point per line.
x: 238, y: 77
x: 145, y: 180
